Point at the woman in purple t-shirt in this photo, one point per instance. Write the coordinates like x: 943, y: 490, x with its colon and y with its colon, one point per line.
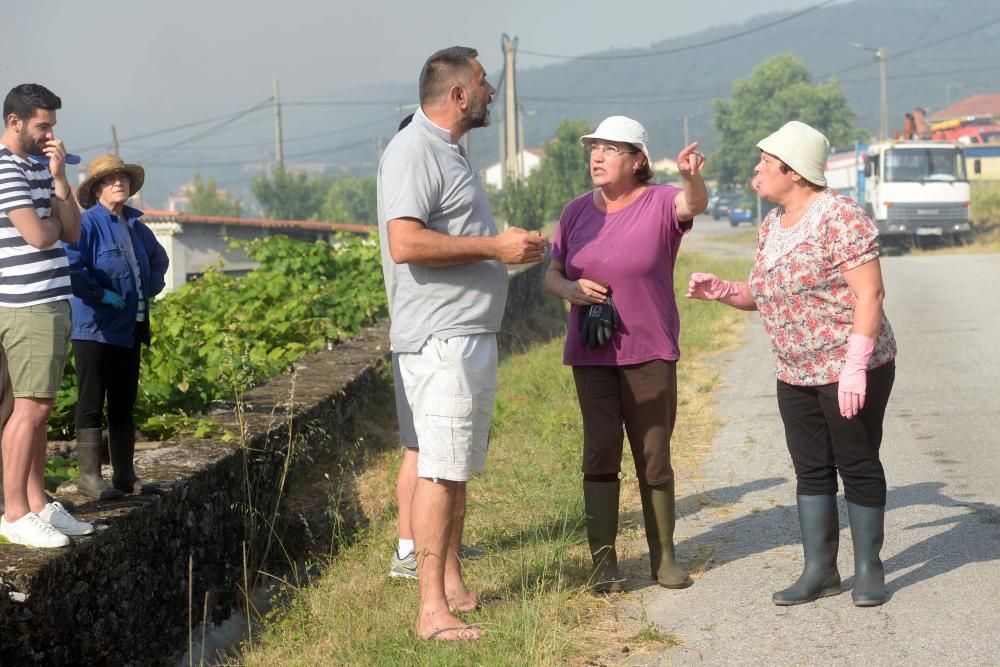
x: 613, y: 260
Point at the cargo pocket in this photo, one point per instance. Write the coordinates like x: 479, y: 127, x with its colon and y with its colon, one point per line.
x: 450, y: 422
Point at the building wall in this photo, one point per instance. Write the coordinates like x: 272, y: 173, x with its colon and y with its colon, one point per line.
x: 193, y: 248
x: 989, y: 162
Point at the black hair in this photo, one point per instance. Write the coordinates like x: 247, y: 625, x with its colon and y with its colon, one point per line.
x: 25, y: 99
x: 444, y: 69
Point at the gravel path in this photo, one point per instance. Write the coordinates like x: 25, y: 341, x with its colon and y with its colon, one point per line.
x: 942, y: 550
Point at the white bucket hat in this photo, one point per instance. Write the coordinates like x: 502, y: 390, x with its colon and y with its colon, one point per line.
x: 801, y: 147
x: 620, y: 128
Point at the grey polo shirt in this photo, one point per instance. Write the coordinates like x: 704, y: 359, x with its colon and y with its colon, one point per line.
x: 423, y: 175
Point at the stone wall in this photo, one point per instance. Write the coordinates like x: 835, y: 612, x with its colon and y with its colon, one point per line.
x: 121, y: 596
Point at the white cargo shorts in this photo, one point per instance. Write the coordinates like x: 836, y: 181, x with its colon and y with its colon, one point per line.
x: 451, y: 387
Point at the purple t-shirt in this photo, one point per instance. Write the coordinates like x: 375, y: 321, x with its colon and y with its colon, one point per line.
x: 633, y: 250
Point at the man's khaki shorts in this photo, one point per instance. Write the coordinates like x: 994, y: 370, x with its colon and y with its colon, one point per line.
x: 35, y: 340
x: 451, y: 386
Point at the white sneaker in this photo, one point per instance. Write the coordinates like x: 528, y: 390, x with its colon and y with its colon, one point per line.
x: 31, y: 531
x: 56, y: 516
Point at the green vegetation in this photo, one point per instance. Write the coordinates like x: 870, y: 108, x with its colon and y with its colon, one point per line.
x: 207, y: 200
x: 285, y: 195
x: 777, y: 91
x: 219, y: 327
x: 525, y: 511
x: 563, y: 175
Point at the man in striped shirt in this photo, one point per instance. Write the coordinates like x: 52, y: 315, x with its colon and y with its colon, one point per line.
x: 36, y: 212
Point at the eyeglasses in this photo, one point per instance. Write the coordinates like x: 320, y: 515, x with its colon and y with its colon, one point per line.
x: 609, y: 150
x: 112, y: 178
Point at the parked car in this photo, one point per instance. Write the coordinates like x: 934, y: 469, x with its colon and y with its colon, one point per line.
x: 745, y: 210
x: 719, y: 208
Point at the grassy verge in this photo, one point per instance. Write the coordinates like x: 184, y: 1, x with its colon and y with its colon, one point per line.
x: 525, y: 512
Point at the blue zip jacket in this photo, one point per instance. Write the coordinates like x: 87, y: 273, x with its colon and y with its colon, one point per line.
x: 99, y: 261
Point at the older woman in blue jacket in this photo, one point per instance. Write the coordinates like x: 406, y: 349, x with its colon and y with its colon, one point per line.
x: 116, y: 268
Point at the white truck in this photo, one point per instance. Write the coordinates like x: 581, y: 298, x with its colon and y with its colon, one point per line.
x: 914, y: 189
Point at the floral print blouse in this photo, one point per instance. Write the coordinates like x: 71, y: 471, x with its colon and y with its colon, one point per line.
x: 804, y: 302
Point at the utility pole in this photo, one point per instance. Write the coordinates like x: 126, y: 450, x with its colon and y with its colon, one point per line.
x: 686, y: 141
x: 520, y: 141
x: 881, y: 56
x: 114, y: 140
x: 279, y: 155
x: 884, y: 128
x: 510, y: 107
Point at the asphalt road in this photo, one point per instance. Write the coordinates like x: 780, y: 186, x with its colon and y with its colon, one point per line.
x: 942, y: 460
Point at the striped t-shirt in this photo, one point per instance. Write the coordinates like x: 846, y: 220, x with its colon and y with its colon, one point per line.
x: 28, y: 275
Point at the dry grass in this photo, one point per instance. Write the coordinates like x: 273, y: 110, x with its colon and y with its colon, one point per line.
x: 526, y: 512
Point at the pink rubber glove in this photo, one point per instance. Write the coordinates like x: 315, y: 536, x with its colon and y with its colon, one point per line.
x: 709, y: 287
x: 853, y: 378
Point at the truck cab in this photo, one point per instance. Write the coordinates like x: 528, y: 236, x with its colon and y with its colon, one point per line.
x: 913, y: 190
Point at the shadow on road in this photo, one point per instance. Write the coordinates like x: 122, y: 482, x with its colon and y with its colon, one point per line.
x: 971, y: 536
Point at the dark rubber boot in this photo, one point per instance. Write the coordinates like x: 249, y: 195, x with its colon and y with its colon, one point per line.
x: 820, y: 528
x: 658, y: 515
x: 121, y: 439
x: 600, y: 502
x: 867, y: 531
x: 88, y: 455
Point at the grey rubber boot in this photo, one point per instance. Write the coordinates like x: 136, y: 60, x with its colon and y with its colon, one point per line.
x: 658, y: 515
x: 868, y: 532
x: 820, y: 528
x: 121, y: 440
x: 88, y: 455
x: 600, y: 502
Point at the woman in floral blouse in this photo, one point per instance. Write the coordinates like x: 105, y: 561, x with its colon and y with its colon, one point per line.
x: 817, y: 284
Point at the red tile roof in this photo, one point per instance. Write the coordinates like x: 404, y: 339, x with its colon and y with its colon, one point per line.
x: 976, y: 105
x: 173, y: 216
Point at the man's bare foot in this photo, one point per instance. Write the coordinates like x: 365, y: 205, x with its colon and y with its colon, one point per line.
x: 446, y: 627
x: 460, y: 633
x: 461, y: 600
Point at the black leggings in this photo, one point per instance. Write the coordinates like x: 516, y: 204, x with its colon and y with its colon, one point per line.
x: 822, y: 442
x: 103, y: 369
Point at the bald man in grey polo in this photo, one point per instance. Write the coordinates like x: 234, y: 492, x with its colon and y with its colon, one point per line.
x: 438, y: 313
x: 446, y: 195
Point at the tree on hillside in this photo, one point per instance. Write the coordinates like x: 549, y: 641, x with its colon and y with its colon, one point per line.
x: 564, y: 172
x: 521, y: 203
x: 290, y: 196
x: 777, y: 91
x: 351, y: 200
x: 205, y: 199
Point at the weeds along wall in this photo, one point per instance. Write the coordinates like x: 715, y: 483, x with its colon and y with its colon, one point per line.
x: 158, y: 564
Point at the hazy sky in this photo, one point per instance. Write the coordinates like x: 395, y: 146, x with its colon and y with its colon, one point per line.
x: 150, y: 65
x: 146, y: 66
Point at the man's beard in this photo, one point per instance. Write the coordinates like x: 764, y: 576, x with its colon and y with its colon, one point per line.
x: 28, y: 144
x: 477, y: 115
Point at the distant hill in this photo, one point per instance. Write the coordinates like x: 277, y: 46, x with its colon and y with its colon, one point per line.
x: 660, y: 90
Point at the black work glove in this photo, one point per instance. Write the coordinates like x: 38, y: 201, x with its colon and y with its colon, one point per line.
x: 597, y: 321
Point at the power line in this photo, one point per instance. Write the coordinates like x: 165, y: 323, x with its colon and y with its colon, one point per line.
x: 156, y: 132
x: 257, y: 107
x: 930, y: 26
x: 681, y: 49
x: 267, y: 141
x: 928, y: 45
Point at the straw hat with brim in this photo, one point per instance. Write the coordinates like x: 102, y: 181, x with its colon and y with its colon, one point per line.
x: 106, y: 165
x: 802, y: 147
x: 623, y: 129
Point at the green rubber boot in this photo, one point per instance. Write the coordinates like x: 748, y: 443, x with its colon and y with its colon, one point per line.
x: 820, y: 528
x: 88, y: 455
x: 658, y: 507
x: 121, y: 440
x: 868, y: 532
x: 600, y: 502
